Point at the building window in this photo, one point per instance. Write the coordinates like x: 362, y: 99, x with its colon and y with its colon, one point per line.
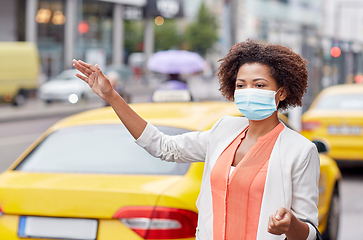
x: 51, y: 19
x: 94, y: 31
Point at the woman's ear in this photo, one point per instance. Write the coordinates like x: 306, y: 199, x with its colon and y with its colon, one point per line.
x: 282, y: 94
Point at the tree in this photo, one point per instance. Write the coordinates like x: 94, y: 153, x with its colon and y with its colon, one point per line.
x: 202, y: 34
x: 166, y: 36
x: 134, y: 32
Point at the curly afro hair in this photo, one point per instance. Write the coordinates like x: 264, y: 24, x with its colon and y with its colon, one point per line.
x: 286, y: 67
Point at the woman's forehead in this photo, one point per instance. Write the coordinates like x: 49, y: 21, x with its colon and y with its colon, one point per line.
x: 254, y: 70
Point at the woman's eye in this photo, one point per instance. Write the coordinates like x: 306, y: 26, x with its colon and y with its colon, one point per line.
x: 259, y: 85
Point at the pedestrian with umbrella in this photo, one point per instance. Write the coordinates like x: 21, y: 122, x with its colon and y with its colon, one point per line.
x: 174, y: 63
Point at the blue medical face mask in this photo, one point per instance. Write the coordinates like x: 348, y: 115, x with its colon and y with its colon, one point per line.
x: 255, y: 104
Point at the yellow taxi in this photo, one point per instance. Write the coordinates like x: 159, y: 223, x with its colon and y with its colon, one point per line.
x: 336, y: 118
x: 85, y: 178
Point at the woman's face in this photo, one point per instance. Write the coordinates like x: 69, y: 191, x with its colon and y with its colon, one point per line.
x: 256, y: 75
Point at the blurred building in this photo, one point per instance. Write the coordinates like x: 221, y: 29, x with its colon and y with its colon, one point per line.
x: 293, y: 23
x: 342, y: 42
x: 83, y: 29
x: 93, y: 29
x: 67, y: 29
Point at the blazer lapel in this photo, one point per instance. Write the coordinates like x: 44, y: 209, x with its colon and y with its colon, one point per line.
x: 223, y: 145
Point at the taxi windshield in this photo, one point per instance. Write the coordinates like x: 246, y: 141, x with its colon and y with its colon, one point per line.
x: 341, y: 102
x: 98, y: 149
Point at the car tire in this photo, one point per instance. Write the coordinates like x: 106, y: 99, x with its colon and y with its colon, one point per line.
x: 20, y: 99
x: 84, y: 98
x: 332, y: 226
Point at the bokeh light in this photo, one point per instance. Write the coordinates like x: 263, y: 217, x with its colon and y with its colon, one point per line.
x: 358, y: 79
x: 83, y: 27
x: 335, y: 52
x: 43, y: 15
x: 8, y: 97
x: 73, y: 98
x: 58, y: 18
x: 159, y: 20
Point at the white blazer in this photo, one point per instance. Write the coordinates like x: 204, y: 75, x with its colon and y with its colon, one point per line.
x: 291, y: 182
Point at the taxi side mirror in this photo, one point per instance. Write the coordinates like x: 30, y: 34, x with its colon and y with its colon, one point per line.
x: 320, y: 146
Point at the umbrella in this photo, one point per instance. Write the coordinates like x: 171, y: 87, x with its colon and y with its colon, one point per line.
x: 176, y: 61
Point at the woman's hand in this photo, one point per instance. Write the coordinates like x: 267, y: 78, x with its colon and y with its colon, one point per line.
x: 94, y: 77
x: 101, y: 85
x: 284, y: 222
x: 280, y: 222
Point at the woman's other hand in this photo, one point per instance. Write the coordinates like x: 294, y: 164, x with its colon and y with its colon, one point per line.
x: 95, y: 78
x: 279, y: 223
x: 284, y: 222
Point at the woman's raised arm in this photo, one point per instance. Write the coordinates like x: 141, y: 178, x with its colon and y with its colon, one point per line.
x: 101, y: 85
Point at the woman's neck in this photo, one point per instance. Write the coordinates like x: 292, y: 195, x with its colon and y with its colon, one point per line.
x: 260, y: 128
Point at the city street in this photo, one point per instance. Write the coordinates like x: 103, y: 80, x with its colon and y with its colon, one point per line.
x: 302, y: 59
x: 18, y: 133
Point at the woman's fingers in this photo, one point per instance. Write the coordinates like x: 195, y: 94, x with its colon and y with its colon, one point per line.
x: 87, y: 65
x: 273, y: 226
x: 81, y: 68
x: 82, y: 77
x: 92, y: 78
x: 99, y: 71
x: 279, y: 223
x: 280, y: 213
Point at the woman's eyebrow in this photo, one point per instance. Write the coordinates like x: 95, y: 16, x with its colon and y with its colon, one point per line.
x: 256, y: 79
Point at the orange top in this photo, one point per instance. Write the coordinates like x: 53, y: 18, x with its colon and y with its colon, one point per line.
x: 237, y: 199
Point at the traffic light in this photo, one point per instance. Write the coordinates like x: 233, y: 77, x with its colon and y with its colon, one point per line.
x: 335, y: 52
x: 83, y: 27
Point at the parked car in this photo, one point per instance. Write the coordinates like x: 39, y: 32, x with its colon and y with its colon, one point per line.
x: 136, y: 61
x: 120, y: 76
x: 125, y: 72
x: 85, y: 178
x: 336, y: 118
x: 118, y: 84
x: 65, y: 87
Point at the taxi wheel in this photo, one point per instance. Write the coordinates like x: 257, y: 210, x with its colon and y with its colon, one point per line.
x: 20, y: 99
x: 84, y: 98
x: 331, y: 231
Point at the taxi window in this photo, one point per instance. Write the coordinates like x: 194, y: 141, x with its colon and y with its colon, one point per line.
x: 98, y: 149
x: 347, y: 102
